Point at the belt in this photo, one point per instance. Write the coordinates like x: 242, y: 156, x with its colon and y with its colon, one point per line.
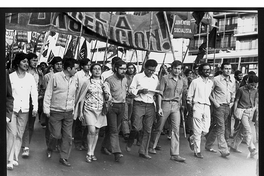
x: 203, y: 104
x: 118, y: 103
x: 171, y: 101
x: 142, y: 102
x: 224, y: 104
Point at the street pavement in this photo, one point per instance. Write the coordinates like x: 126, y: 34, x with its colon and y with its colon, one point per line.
x: 237, y: 164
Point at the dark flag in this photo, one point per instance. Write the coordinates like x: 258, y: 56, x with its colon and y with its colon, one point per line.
x: 201, y: 53
x: 83, y: 51
x: 71, y: 47
x: 51, y: 56
x: 198, y: 16
x: 45, y: 52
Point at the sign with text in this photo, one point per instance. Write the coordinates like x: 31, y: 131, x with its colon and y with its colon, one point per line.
x: 183, y: 28
x: 124, y: 30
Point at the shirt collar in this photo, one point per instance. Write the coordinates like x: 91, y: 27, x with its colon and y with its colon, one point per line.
x: 152, y: 76
x: 223, y: 78
x: 172, y: 77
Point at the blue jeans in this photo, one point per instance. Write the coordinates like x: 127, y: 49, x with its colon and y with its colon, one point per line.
x: 142, y: 117
x: 114, y: 118
x: 220, y: 116
x: 170, y: 109
x: 60, y: 127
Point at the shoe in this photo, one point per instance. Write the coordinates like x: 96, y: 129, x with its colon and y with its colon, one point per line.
x: 169, y: 137
x: 85, y: 147
x: 210, y: 150
x: 177, y: 158
x: 79, y: 147
x: 253, y: 153
x: 152, y: 151
x: 10, y: 166
x: 25, y: 153
x: 224, y: 155
x: 49, y: 153
x: 118, y: 156
x: 198, y: 155
x: 93, y: 158
x: 128, y: 149
x: 105, y: 151
x: 191, y: 143
x: 235, y: 150
x: 15, y: 163
x: 65, y: 162
x: 158, y: 147
x: 88, y: 158
x: 144, y: 156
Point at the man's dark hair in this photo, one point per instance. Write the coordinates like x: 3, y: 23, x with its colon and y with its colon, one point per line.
x: 251, y: 73
x: 31, y: 56
x: 176, y: 63
x: 115, y: 59
x: 223, y: 64
x: 84, y: 62
x: 151, y: 63
x: 237, y: 72
x: 119, y: 63
x: 200, y: 68
x: 69, y: 62
x: 252, y: 79
x: 187, y: 71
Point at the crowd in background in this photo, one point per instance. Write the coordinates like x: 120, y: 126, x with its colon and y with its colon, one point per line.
x: 77, y: 102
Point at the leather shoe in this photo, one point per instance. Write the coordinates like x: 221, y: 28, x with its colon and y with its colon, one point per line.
x: 191, y: 144
x: 144, y: 156
x: 65, y: 162
x: 152, y: 151
x: 49, y: 153
x: 118, y: 156
x: 224, y: 155
x: 235, y: 150
x: 177, y: 158
x: 158, y: 147
x: 105, y: 151
x: 198, y: 155
x: 210, y: 150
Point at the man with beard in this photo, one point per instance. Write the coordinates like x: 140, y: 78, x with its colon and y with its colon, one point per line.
x: 115, y: 115
x: 171, y: 87
x: 32, y: 69
x: 222, y: 97
x: 198, y: 99
x: 143, y: 87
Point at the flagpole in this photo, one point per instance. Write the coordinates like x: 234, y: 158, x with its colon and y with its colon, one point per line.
x: 222, y: 44
x: 108, y: 34
x: 132, y: 55
x: 67, y: 45
x: 186, y: 51
x: 12, y: 50
x: 207, y: 42
x: 169, y: 34
x: 79, y: 43
x: 150, y: 34
x: 93, y: 50
x: 214, y: 51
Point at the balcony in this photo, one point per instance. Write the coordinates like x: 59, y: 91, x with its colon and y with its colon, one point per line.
x: 246, y: 30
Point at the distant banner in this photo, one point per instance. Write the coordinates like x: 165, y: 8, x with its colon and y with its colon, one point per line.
x: 183, y: 28
x: 125, y: 30
x: 10, y: 36
x: 22, y: 36
x: 62, y: 39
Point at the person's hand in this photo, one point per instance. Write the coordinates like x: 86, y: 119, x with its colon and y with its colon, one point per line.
x: 34, y: 113
x: 81, y: 118
x: 217, y: 105
x: 160, y: 112
x: 47, y: 114
x: 144, y: 91
x: 7, y: 120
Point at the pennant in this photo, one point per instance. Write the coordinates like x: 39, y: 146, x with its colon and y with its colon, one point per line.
x: 212, y: 37
x: 198, y: 16
x: 83, y: 51
x: 45, y: 52
x: 51, y: 56
x: 62, y: 40
x: 71, y: 47
x: 183, y: 28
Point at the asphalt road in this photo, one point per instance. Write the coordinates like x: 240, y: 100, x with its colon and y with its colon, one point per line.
x: 237, y: 164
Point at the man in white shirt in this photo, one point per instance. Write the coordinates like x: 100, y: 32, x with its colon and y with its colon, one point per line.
x: 21, y: 93
x: 198, y: 99
x: 143, y: 87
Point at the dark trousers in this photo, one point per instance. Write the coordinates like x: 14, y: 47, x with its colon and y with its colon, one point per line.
x: 29, y: 127
x: 79, y: 133
x: 60, y: 126
x: 143, y: 116
x: 114, y: 119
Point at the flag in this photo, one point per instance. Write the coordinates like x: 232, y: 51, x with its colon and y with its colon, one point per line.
x: 212, y: 37
x: 182, y: 15
x: 45, y: 52
x: 201, y: 53
x: 71, y: 47
x: 83, y: 51
x: 51, y: 56
x: 62, y: 39
x: 198, y: 16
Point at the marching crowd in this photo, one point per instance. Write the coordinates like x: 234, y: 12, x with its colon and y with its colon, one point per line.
x: 78, y: 101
